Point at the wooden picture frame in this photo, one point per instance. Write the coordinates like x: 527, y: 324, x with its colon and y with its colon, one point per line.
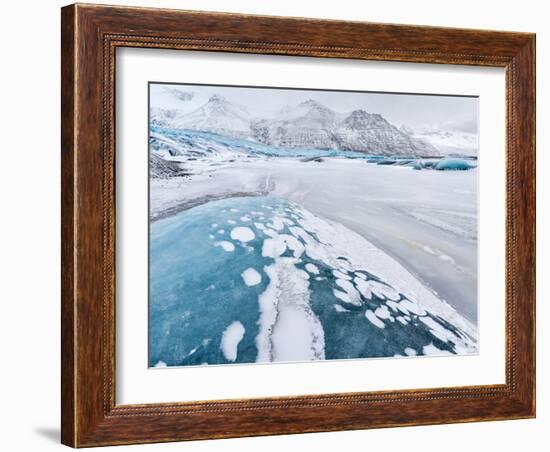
x: 90, y: 35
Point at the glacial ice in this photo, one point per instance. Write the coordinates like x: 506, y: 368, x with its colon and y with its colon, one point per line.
x: 453, y: 164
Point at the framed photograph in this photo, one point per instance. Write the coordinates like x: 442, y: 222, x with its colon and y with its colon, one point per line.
x: 281, y: 225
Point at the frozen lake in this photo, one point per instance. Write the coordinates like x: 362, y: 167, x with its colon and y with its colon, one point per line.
x: 257, y: 256
x: 427, y: 220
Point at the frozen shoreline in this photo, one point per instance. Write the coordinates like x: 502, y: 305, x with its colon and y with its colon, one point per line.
x: 438, y: 244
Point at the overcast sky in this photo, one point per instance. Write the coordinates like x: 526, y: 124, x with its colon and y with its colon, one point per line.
x: 413, y: 110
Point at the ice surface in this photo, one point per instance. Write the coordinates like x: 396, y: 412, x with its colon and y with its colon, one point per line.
x: 242, y: 234
x: 374, y: 319
x: 312, y: 268
x: 454, y: 164
x: 432, y: 350
x: 227, y: 246
x: 289, y: 329
x: 231, y: 338
x: 365, y: 228
x: 251, y: 277
x: 266, y: 286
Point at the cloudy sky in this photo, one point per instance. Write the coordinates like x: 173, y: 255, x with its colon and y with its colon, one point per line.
x: 414, y: 110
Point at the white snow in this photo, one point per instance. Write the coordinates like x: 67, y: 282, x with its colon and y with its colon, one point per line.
x: 410, y: 351
x: 373, y: 319
x: 340, y: 275
x: 312, y: 268
x: 231, y: 338
x: 289, y: 329
x: 277, y: 245
x: 350, y: 290
x: 363, y: 287
x: 432, y: 350
x: 383, y: 313
x: 439, y: 330
x: 251, y: 277
x: 343, y: 296
x: 242, y: 233
x: 277, y: 223
x: 160, y: 364
x: 340, y: 308
x: 407, y: 306
x: 227, y: 246
x: 402, y: 320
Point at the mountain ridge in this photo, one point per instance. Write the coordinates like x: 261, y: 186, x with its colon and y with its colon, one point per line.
x: 309, y: 124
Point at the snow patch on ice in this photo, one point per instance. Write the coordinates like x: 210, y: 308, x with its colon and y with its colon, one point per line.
x: 289, y: 329
x: 383, y: 312
x: 312, y: 268
x: 227, y: 246
x: 231, y: 338
x: 251, y: 277
x: 243, y: 234
x: 340, y: 275
x: 432, y: 350
x: 276, y: 246
x: 350, y: 290
x: 373, y: 319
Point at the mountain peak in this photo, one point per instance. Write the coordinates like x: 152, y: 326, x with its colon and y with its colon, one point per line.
x: 311, y: 103
x: 215, y: 98
x: 361, y: 120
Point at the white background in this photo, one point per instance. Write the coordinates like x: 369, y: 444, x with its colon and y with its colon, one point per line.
x: 137, y: 384
x: 29, y: 397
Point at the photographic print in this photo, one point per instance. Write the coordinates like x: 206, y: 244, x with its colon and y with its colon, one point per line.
x: 293, y: 225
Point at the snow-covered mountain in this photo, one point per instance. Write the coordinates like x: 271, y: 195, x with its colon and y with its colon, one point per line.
x: 447, y: 141
x: 217, y: 115
x: 309, y: 124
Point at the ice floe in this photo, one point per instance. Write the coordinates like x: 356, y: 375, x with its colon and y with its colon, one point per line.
x: 312, y: 268
x: 373, y: 319
x: 227, y: 246
x: 251, y: 277
x: 242, y: 233
x: 231, y: 338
